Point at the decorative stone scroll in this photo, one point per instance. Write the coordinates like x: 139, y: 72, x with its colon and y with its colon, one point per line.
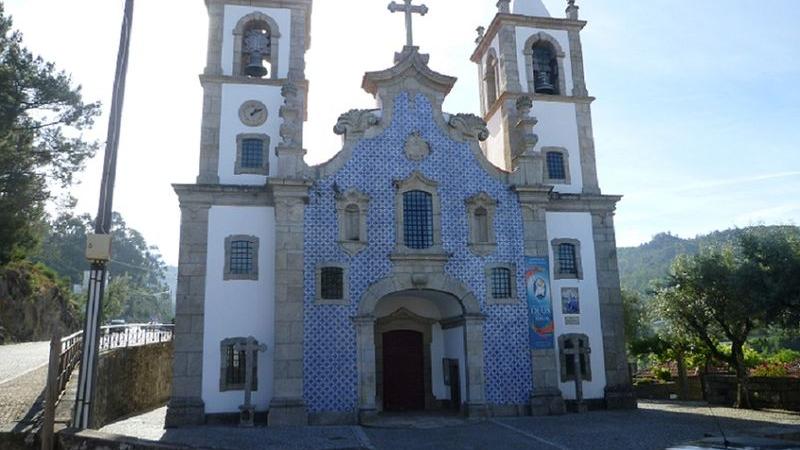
x: 524, y: 127
x: 469, y: 126
x: 355, y: 122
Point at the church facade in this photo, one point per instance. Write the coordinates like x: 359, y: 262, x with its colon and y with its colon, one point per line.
x: 438, y: 262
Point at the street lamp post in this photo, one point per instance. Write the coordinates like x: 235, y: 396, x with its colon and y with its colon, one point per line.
x: 98, y: 245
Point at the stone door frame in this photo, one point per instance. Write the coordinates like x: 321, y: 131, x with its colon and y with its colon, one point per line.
x: 473, y: 322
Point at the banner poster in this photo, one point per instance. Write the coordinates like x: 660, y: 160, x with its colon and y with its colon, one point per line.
x: 540, y: 307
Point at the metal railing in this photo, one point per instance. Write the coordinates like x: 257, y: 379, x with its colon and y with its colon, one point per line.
x: 134, y: 335
x: 65, y: 355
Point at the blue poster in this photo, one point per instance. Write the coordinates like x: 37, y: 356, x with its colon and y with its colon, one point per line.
x: 540, y: 307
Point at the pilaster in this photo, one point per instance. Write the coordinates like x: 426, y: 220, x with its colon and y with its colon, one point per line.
x: 476, y: 379
x: 288, y: 406
x: 619, y: 393
x: 365, y: 334
x: 209, y: 134
x: 186, y: 406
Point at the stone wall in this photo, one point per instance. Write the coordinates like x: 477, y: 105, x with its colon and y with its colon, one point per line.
x: 666, y: 391
x: 132, y: 380
x: 780, y: 393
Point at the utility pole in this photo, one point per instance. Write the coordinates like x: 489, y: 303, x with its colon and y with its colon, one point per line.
x: 98, y: 245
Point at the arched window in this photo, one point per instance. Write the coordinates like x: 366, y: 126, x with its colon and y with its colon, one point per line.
x: 545, y: 69
x: 555, y: 166
x: 490, y: 80
x: 352, y: 223
x: 482, y: 225
x: 418, y: 220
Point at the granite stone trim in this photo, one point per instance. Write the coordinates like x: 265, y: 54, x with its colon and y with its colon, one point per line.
x: 274, y: 47
x: 418, y: 182
x: 519, y: 20
x: 618, y: 383
x: 343, y: 202
x: 224, y: 385
x: 225, y: 195
x: 491, y: 79
x: 574, y: 337
x: 490, y: 298
x: 488, y: 204
x: 557, y: 274
x: 576, y: 57
x: 509, y: 75
x: 583, y: 115
x: 186, y: 406
x: 264, y: 168
x: 209, y: 135
x: 567, y: 176
x: 227, y: 274
x: 532, y: 42
x: 345, y: 300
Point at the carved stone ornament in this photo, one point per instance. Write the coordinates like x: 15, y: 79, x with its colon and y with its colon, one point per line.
x: 355, y: 121
x: 417, y: 148
x: 469, y: 126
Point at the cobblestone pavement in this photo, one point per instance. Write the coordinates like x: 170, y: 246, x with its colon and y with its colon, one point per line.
x: 16, y: 359
x: 21, y: 399
x: 655, y: 426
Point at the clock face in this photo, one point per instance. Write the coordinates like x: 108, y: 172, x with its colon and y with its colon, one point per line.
x: 253, y: 113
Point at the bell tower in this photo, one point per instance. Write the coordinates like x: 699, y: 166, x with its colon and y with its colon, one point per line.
x: 254, y: 90
x: 526, y: 52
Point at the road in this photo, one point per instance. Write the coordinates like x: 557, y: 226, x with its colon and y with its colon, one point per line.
x: 19, y: 359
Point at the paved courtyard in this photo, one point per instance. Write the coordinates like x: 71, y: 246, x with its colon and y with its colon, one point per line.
x: 656, y: 425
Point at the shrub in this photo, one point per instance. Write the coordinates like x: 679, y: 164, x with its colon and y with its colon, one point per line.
x: 662, y: 373
x: 784, y: 356
x: 770, y: 370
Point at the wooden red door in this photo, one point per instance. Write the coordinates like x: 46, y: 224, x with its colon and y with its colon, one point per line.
x: 403, y: 371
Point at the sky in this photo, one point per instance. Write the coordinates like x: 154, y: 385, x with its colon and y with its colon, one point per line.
x: 695, y: 122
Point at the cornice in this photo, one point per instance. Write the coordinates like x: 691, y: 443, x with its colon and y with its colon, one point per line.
x: 546, y: 23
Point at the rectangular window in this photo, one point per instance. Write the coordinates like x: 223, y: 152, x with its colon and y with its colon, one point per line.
x: 501, y: 283
x: 418, y: 219
x: 566, y: 260
x: 241, y: 257
x: 555, y: 166
x: 252, y: 153
x: 332, y: 283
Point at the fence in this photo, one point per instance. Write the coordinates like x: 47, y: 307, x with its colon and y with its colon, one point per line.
x: 65, y: 354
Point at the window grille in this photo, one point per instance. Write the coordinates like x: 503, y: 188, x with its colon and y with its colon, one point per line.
x: 241, y: 257
x: 332, y: 283
x: 235, y: 367
x: 252, y: 153
x: 566, y: 259
x: 501, y: 282
x: 418, y: 219
x: 555, y: 166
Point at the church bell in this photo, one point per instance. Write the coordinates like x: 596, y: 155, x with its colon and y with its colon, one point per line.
x: 255, y: 68
x: 543, y: 84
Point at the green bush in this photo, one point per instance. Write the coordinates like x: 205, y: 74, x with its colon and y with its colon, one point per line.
x: 770, y: 370
x: 784, y: 356
x: 662, y: 373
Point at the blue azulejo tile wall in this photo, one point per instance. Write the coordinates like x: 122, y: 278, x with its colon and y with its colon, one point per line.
x: 330, y: 338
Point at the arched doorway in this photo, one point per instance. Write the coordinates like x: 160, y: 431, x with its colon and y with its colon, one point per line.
x: 420, y: 348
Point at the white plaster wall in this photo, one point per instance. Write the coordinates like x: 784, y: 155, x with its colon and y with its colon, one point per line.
x: 233, y: 95
x: 419, y: 306
x: 454, y: 349
x: 558, y: 127
x: 495, y: 144
x: 561, y: 36
x: 529, y: 8
x: 234, y: 13
x: 440, y: 391
x: 238, y: 308
x: 579, y: 226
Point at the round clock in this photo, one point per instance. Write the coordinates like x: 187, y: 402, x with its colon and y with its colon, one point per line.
x: 253, y: 113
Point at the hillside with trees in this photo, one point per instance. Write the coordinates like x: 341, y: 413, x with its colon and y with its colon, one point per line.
x: 44, y: 122
x: 639, y: 266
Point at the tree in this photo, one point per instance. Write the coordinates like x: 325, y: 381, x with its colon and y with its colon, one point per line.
x: 717, y: 296
x: 42, y: 117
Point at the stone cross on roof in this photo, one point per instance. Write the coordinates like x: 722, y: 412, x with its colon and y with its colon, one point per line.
x: 408, y: 9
